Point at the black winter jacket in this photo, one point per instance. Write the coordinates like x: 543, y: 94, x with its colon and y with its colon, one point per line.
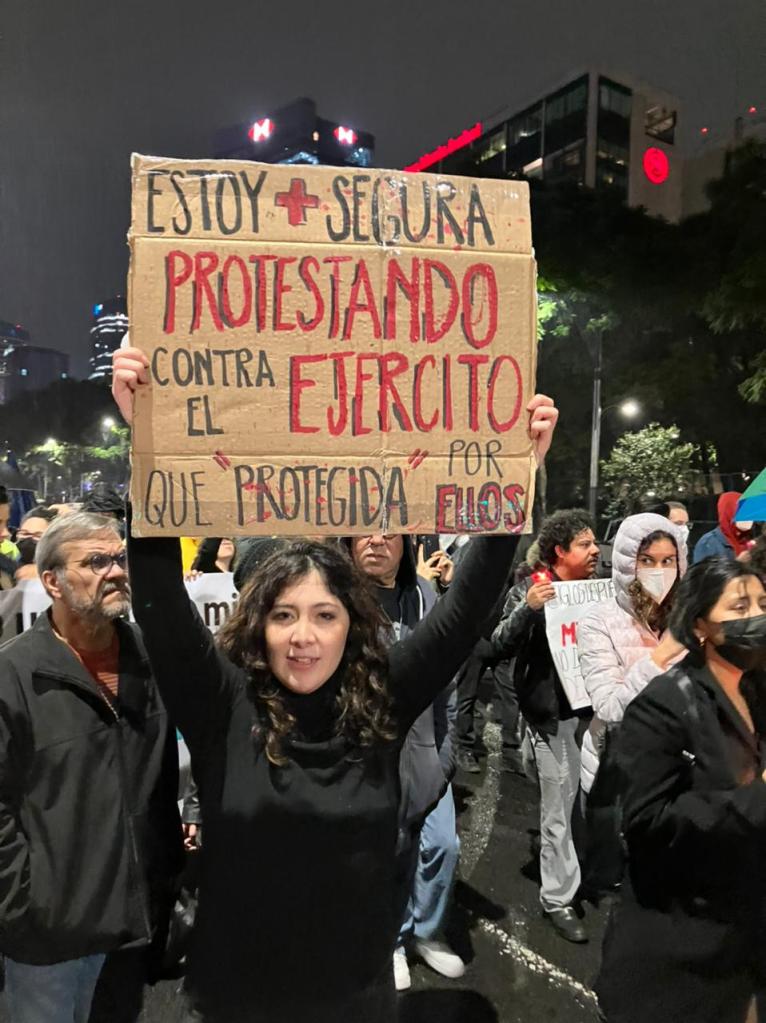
x: 687, y: 940
x: 521, y: 634
x: 89, y: 829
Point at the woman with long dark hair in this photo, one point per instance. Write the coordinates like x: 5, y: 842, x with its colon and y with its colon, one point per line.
x: 685, y: 942
x: 295, y: 722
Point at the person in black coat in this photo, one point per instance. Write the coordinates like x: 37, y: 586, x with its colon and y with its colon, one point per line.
x: 686, y: 940
x: 295, y: 722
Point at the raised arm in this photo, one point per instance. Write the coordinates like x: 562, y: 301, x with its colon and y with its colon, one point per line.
x: 194, y: 677
x: 425, y: 661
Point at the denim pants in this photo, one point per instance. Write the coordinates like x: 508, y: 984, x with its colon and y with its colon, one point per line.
x: 60, y: 993
x: 437, y: 857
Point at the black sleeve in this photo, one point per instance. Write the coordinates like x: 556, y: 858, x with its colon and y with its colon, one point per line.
x: 662, y: 814
x: 14, y: 848
x: 196, y: 681
x: 427, y: 659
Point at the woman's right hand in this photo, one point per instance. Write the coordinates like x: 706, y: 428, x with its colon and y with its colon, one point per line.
x: 129, y: 372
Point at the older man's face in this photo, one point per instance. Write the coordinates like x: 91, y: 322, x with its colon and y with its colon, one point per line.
x: 91, y: 582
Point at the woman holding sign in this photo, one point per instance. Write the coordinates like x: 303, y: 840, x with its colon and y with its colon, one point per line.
x: 295, y: 721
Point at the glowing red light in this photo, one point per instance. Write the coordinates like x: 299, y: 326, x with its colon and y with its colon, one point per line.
x: 704, y: 131
x: 449, y: 147
x: 656, y: 165
x: 346, y: 136
x: 261, y: 130
x: 752, y: 110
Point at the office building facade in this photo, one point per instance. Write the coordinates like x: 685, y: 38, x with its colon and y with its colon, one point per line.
x: 595, y: 130
x: 110, y: 324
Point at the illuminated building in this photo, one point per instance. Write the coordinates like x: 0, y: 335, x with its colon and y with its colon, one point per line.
x: 110, y: 323
x: 600, y: 131
x: 296, y: 134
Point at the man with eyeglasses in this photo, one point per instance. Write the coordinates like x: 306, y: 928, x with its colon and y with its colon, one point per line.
x: 89, y: 831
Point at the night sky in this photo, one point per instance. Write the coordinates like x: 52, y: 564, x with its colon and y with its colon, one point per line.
x: 85, y: 82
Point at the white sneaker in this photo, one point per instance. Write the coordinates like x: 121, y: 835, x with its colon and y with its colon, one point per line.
x: 402, y: 979
x: 441, y: 958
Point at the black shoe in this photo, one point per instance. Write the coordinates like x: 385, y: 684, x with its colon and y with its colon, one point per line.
x: 466, y: 761
x: 565, y: 922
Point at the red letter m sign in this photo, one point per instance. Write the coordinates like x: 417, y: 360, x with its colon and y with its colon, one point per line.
x: 569, y: 632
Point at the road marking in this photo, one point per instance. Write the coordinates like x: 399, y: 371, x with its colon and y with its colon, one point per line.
x: 535, y: 962
x: 473, y: 847
x: 483, y: 805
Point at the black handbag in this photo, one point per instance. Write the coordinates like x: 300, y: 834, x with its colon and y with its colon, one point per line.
x: 604, y: 855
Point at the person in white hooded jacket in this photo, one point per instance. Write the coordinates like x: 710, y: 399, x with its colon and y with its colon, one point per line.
x: 624, y: 642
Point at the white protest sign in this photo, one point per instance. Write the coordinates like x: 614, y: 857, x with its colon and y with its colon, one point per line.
x: 571, y: 604
x: 214, y: 595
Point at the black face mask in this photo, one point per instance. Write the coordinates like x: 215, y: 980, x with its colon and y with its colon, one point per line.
x: 744, y: 643
x: 27, y: 548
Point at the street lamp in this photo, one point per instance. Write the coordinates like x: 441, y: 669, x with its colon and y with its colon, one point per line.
x: 629, y: 409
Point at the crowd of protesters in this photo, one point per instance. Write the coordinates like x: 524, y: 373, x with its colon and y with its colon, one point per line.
x: 325, y: 723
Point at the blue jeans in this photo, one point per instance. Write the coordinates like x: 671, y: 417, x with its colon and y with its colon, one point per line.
x: 437, y: 858
x: 60, y: 993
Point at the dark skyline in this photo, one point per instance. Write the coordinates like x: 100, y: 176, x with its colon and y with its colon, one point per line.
x: 83, y: 84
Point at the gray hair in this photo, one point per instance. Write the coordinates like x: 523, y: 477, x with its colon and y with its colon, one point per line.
x: 70, y: 529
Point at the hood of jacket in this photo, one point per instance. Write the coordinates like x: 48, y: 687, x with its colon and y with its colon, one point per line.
x: 625, y: 551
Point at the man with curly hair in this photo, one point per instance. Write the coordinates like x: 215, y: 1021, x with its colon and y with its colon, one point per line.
x: 568, y: 549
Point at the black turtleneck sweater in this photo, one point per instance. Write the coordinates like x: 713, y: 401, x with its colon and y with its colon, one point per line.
x: 300, y: 902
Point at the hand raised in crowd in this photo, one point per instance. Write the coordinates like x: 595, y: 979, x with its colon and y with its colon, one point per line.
x: 543, y: 416
x: 439, y: 566
x: 130, y: 370
x: 539, y: 594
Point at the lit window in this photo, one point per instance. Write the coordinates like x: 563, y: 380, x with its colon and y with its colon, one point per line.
x: 23, y: 372
x: 495, y: 144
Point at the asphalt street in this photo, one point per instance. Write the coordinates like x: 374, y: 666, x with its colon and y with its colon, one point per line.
x: 518, y: 969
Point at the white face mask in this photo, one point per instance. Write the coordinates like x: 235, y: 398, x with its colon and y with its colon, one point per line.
x: 658, y: 582
x: 683, y: 529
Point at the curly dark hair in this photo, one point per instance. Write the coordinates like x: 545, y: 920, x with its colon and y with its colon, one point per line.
x: 559, y: 530
x: 363, y: 706
x: 655, y: 616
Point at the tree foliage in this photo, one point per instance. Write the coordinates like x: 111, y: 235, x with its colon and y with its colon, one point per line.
x: 647, y: 463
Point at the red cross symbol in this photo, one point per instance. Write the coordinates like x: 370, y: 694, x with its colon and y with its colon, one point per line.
x: 296, y: 201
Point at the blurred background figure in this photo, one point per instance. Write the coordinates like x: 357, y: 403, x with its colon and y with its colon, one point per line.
x: 28, y: 535
x: 216, y: 554
x: 730, y: 538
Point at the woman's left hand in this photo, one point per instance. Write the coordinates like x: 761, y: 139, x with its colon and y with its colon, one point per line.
x: 543, y: 416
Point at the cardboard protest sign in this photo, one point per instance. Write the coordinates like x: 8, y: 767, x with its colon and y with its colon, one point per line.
x: 571, y: 604
x: 332, y: 351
